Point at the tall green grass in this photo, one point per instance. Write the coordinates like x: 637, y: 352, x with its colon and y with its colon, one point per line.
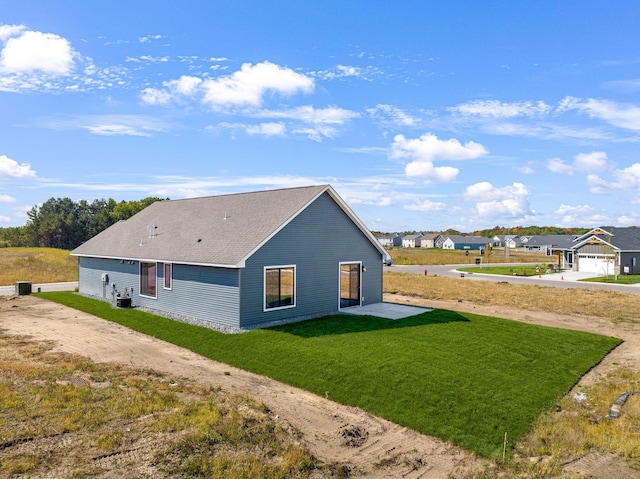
x: 464, y: 378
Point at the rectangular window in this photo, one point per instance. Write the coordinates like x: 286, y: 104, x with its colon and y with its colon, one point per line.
x: 279, y: 287
x: 168, y: 271
x: 148, y: 279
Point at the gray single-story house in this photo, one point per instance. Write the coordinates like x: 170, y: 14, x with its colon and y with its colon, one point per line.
x: 607, y: 250
x: 466, y: 242
x: 241, y: 260
x: 560, y: 246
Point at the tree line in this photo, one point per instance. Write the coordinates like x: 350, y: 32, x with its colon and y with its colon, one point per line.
x: 66, y: 224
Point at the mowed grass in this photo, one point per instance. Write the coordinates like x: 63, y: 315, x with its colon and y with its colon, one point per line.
x: 613, y: 279
x: 464, y: 378
x: 37, y: 265
x: 529, y: 270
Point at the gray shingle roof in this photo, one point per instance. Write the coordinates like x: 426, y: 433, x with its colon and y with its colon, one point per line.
x: 625, y: 239
x: 556, y: 241
x: 459, y: 239
x: 216, y: 230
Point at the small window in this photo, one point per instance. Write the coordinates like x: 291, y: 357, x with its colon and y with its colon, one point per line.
x: 148, y: 279
x: 279, y: 287
x: 168, y: 271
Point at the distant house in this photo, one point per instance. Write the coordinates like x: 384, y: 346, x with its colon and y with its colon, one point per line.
x: 241, y: 260
x: 607, y: 250
x: 428, y: 240
x: 510, y: 241
x: 390, y: 240
x: 466, y: 242
x: 549, y: 244
x: 412, y: 241
x: 438, y: 241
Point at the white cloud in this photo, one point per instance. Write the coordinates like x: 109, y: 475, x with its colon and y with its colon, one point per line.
x: 390, y: 115
x: 7, y: 199
x: 626, y: 220
x: 11, y: 169
x: 153, y: 96
x: 622, y: 115
x: 308, y: 114
x: 317, y: 133
x: 148, y: 38
x: 29, y: 52
x: 493, y: 202
x: 114, y: 129
x: 525, y: 169
x: 429, y: 148
x: 590, y: 162
x: 7, y: 31
x: 267, y: 129
x: 498, y: 109
x: 111, y: 125
x: 427, y: 206
x: 581, y: 215
x: 247, y: 86
x: 430, y: 173
x: 425, y: 150
x: 346, y: 71
x: 557, y: 165
x: 585, y: 162
x: 147, y: 59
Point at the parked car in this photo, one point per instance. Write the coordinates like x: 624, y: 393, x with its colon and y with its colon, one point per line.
x: 387, y: 260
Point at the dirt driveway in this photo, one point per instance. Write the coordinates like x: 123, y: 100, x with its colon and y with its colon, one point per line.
x: 388, y: 450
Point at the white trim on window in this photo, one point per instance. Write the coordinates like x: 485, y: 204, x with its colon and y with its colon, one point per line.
x: 141, y: 289
x: 170, y: 277
x: 294, y: 293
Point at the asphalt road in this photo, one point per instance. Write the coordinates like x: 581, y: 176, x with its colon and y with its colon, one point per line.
x: 565, y: 279
x: 45, y: 287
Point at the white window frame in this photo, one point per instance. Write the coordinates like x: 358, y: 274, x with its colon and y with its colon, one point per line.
x: 164, y: 276
x: 156, y: 280
x: 264, y: 287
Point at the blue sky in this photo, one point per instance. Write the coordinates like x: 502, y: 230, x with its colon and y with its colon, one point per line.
x: 423, y: 115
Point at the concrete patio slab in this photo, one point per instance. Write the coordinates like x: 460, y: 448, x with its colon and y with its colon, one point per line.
x: 386, y: 310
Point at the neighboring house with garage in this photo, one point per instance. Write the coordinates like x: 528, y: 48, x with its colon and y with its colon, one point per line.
x: 507, y: 241
x: 553, y: 245
x: 607, y: 251
x: 241, y: 260
x: 466, y: 242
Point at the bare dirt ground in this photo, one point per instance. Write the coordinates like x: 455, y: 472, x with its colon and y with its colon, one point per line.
x: 367, y: 445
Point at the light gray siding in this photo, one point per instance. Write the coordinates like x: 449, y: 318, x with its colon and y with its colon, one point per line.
x: 316, y: 241
x: 209, y: 294
x: 122, y: 274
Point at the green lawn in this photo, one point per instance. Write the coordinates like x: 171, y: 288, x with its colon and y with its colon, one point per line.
x: 620, y: 279
x: 464, y: 378
x: 529, y: 270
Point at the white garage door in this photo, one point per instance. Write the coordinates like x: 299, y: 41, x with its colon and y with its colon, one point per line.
x: 591, y: 263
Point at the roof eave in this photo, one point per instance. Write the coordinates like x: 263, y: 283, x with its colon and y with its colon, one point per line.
x: 240, y: 264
